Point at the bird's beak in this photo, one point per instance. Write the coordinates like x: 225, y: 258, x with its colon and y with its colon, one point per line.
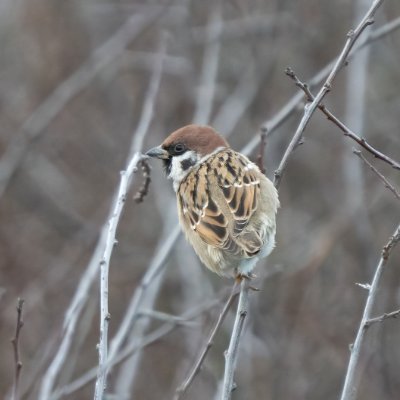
x: 158, y: 152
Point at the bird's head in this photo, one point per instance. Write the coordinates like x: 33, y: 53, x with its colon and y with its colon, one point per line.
x: 186, y: 148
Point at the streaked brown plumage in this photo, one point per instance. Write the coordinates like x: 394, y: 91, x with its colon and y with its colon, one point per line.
x: 226, y: 205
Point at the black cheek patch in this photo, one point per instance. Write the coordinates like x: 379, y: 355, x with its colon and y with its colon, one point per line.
x: 187, y: 163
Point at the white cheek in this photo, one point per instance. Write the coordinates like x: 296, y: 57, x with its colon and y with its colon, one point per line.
x: 177, y: 172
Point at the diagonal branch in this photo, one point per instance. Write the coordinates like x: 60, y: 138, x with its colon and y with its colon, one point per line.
x: 292, y: 105
x: 378, y: 174
x: 347, y: 131
x: 350, y: 384
x: 309, y: 109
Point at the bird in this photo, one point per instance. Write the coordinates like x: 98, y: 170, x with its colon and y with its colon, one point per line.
x: 226, y: 206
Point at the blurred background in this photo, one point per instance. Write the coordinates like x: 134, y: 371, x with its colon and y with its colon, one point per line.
x: 74, y: 76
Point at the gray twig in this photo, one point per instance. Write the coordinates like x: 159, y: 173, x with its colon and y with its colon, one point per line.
x: 231, y: 354
x: 377, y: 173
x: 346, y: 130
x: 350, y: 383
x: 15, y: 344
x: 143, y: 125
x: 381, y: 318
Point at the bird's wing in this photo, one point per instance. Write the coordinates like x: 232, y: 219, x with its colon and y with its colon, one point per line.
x: 238, y: 180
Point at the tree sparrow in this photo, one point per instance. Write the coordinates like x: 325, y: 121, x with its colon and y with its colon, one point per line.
x: 226, y: 206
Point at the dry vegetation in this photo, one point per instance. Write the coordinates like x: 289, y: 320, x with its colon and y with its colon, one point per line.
x: 79, y: 81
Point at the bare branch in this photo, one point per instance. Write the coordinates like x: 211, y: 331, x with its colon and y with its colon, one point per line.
x: 380, y: 175
x: 232, y: 352
x: 144, y: 122
x: 15, y: 344
x: 350, y: 384
x: 381, y: 318
x: 347, y: 131
x: 309, y: 109
x: 197, y: 365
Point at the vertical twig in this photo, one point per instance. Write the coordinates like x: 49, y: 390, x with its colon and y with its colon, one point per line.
x: 350, y: 383
x: 232, y: 352
x: 15, y: 344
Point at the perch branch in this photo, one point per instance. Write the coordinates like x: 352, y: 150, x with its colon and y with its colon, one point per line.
x: 231, y: 354
x: 15, y: 344
x: 198, y: 364
x: 350, y: 385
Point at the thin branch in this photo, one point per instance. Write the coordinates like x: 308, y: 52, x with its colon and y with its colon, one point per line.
x: 231, y: 354
x: 143, y: 125
x: 309, y: 109
x: 15, y: 344
x: 350, y: 384
x: 381, y: 318
x: 378, y: 174
x: 347, y: 131
x: 198, y: 364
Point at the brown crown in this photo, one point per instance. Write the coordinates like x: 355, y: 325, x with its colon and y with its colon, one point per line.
x: 201, y: 139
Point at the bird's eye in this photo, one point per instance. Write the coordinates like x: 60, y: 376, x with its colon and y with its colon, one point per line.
x: 179, y: 148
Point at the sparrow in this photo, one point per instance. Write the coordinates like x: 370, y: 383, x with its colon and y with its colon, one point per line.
x: 226, y: 205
